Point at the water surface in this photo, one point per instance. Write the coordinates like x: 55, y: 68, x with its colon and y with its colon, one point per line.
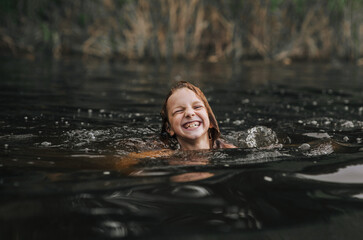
x: 67, y: 129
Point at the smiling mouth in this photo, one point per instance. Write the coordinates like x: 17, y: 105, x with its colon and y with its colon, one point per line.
x: 191, y: 125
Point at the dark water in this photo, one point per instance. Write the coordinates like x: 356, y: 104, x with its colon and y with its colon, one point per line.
x: 67, y: 130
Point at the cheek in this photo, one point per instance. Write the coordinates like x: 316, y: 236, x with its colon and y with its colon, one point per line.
x: 206, y: 117
x: 173, y: 122
x: 209, y: 122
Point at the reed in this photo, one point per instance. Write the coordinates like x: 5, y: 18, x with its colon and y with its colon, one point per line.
x: 277, y: 30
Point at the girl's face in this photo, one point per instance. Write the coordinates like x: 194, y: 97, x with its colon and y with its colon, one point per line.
x: 188, y: 119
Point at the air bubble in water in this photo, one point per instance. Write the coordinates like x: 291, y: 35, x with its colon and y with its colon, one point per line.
x: 238, y: 122
x: 267, y: 178
x: 46, y: 144
x: 348, y: 124
x: 304, y: 147
x: 6, y: 146
x: 91, y: 136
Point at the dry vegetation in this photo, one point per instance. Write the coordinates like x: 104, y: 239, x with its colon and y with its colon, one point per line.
x: 278, y: 30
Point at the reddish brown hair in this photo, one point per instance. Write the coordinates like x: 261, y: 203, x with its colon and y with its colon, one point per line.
x: 171, y: 141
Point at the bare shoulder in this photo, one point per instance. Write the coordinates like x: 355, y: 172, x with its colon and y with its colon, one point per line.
x: 228, y: 145
x: 220, y: 143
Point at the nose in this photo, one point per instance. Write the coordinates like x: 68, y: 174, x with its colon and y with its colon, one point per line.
x: 189, y: 112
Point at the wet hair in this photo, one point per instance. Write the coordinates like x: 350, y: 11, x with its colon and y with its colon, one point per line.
x: 213, y: 132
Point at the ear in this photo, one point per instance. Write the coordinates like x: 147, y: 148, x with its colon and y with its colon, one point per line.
x: 171, y: 132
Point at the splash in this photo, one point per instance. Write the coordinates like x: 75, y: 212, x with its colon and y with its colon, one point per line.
x: 256, y: 137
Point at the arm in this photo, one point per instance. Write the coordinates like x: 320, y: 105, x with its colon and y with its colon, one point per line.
x: 133, y: 158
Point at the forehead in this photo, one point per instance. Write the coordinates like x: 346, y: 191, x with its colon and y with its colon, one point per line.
x: 182, y: 96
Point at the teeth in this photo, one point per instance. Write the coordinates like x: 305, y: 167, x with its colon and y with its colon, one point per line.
x: 192, y: 125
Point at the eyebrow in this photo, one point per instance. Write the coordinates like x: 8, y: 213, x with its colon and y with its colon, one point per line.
x: 193, y: 103
x: 198, y: 101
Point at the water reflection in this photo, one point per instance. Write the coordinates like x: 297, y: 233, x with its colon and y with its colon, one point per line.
x: 348, y: 174
x: 191, y: 176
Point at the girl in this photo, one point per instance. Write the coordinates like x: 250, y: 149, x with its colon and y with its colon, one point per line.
x: 188, y: 121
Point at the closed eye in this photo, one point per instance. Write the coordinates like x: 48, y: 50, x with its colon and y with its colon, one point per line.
x: 177, y: 111
x: 198, y: 107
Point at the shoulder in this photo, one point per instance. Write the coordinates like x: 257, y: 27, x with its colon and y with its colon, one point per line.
x: 220, y: 143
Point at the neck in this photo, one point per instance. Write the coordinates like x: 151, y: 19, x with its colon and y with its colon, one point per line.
x: 195, y: 144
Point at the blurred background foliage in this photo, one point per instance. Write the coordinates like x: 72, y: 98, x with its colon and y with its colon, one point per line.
x: 213, y: 30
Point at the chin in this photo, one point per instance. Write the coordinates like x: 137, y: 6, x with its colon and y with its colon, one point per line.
x: 194, y: 136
